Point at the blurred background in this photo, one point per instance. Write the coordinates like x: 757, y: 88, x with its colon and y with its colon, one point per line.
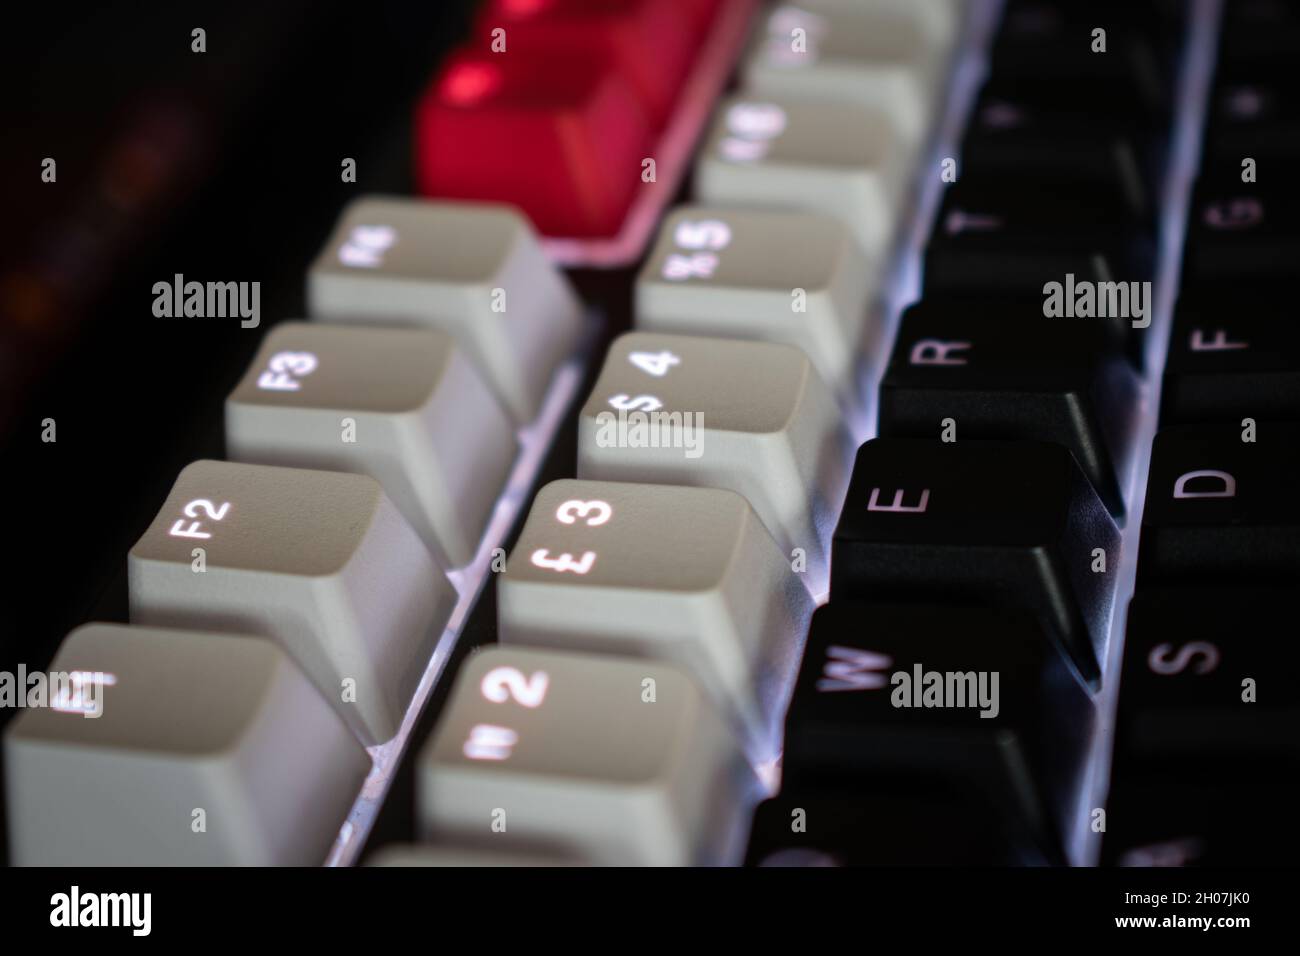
x: 222, y: 166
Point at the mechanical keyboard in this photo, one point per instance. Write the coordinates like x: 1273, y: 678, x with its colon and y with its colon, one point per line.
x: 672, y: 432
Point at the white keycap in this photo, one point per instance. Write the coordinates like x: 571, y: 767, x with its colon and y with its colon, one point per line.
x: 616, y: 762
x: 418, y: 854
x: 475, y: 270
x: 177, y: 748
x: 841, y: 159
x: 688, y: 576
x: 320, y: 561
x: 883, y: 59
x: 795, y: 278
x: 722, y: 413
x: 401, y: 405
x: 940, y: 20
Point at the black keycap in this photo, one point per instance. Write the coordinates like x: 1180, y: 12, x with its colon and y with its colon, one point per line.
x: 1005, y: 524
x: 1240, y: 231
x: 1015, y: 237
x: 1207, y: 823
x: 975, y: 699
x: 1231, y: 359
x: 898, y: 826
x: 1154, y: 19
x: 1220, y: 510
x: 1052, y: 46
x: 1253, y: 109
x: 1004, y: 370
x: 1206, y: 753
x: 1253, y: 116
x: 1260, y: 34
x: 1010, y: 136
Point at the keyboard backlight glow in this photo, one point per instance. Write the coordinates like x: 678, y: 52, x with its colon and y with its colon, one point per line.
x: 524, y: 8
x: 470, y: 83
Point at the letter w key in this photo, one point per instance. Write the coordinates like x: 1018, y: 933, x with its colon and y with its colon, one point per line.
x: 848, y: 668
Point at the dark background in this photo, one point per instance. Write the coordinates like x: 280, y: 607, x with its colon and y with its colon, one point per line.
x: 222, y: 166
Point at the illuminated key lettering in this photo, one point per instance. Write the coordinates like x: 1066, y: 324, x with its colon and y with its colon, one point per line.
x: 742, y: 150
x: 1162, y: 661
x: 959, y: 221
x: 701, y: 265
x: 873, y: 503
x: 541, y: 559
x: 1228, y: 487
x: 756, y: 120
x: 642, y: 403
x: 1173, y: 853
x: 284, y: 370
x: 702, y: 234
x: 1234, y: 214
x: 753, y: 127
x: 366, y: 245
x: 490, y: 742
x: 1219, y: 343
x: 192, y: 510
x: 502, y: 684
x: 72, y: 698
x: 1244, y: 102
x: 657, y: 364
x: 596, y: 513
x: 851, y: 669
x: 937, y: 352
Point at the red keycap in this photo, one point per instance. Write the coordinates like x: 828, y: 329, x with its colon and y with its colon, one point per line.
x: 561, y: 138
x: 702, y: 12
x: 651, y: 42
